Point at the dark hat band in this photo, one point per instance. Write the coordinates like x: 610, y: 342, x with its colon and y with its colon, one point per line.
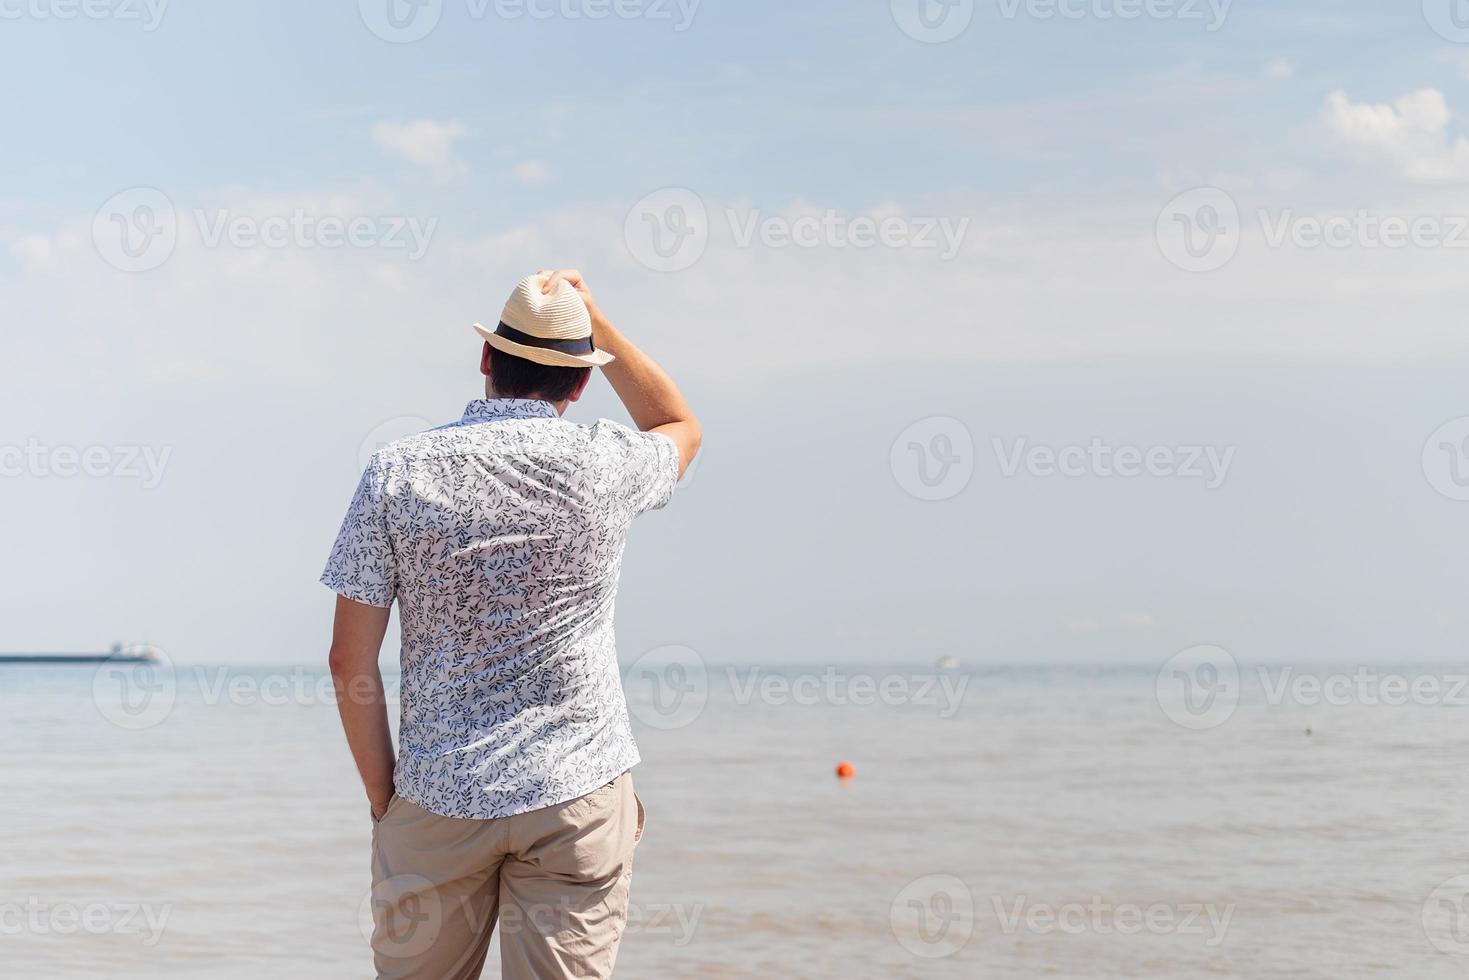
x: 579, y: 345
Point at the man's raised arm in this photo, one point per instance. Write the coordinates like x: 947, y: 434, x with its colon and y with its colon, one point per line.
x: 649, y: 394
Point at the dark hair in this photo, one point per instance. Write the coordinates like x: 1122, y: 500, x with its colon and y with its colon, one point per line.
x: 515, y: 377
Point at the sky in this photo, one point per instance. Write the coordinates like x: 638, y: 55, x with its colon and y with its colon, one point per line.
x: 1022, y: 331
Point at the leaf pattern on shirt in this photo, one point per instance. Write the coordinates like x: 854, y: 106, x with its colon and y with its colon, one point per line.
x: 501, y: 536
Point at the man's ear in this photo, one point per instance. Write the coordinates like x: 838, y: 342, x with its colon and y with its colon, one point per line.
x: 484, y: 360
x: 581, y: 388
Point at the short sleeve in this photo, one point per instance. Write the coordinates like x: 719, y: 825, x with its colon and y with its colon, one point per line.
x: 644, y: 464
x: 361, y: 564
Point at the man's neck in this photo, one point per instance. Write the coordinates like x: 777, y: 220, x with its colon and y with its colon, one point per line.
x: 560, y: 406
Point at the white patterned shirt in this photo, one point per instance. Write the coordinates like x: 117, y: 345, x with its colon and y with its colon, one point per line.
x: 501, y: 538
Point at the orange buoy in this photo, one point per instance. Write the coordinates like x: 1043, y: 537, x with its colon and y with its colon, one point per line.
x: 846, y: 770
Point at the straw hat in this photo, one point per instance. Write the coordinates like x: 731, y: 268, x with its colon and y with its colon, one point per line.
x: 549, y: 328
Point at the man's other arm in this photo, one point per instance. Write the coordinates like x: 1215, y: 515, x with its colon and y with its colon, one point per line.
x: 357, y: 640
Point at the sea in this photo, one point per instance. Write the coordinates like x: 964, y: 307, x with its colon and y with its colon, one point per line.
x: 1000, y: 821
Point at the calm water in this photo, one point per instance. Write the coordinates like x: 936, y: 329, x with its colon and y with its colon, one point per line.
x: 1054, y: 823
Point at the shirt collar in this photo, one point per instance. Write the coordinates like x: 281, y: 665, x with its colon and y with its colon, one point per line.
x: 491, y: 409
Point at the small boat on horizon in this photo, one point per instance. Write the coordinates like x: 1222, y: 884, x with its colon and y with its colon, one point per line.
x: 135, y: 654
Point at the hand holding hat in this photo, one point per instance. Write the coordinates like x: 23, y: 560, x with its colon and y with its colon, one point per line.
x: 547, y: 320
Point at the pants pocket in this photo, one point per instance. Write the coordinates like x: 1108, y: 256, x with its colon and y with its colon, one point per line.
x: 376, y: 820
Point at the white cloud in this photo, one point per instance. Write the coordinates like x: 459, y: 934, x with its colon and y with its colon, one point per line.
x: 1280, y: 68
x: 426, y: 143
x: 532, y: 172
x: 1064, y: 280
x: 1412, y: 134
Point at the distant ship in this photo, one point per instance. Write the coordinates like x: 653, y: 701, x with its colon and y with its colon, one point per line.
x: 137, y: 654
x: 947, y: 663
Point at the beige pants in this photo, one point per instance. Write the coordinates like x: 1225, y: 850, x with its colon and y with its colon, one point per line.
x: 556, y: 880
